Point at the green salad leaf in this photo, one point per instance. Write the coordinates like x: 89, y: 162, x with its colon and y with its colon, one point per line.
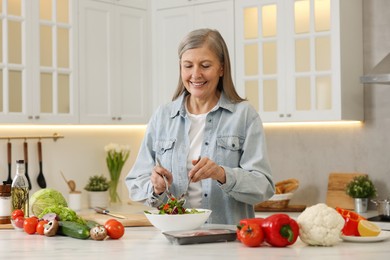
x: 64, y: 213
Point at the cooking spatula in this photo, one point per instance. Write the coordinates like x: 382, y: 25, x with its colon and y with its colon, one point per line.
x: 41, y: 178
x: 25, y: 146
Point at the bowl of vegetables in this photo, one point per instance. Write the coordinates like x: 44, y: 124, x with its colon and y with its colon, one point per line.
x: 172, y: 216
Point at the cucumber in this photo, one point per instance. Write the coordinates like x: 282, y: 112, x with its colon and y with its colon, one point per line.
x: 73, y: 229
x: 90, y: 224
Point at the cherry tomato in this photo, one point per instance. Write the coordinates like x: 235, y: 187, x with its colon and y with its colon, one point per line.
x: 16, y: 213
x: 252, y: 235
x: 115, y: 229
x: 247, y: 221
x: 30, y: 225
x: 41, y: 226
x: 18, y: 222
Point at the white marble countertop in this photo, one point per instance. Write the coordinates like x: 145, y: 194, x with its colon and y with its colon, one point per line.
x: 150, y: 243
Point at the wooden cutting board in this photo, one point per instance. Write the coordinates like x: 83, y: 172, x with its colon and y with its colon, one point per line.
x: 336, y: 196
x: 6, y: 226
x: 289, y: 208
x: 130, y: 220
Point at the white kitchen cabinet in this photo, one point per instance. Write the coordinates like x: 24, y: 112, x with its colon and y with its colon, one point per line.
x: 142, y: 4
x: 301, y: 60
x: 38, y: 70
x: 113, y: 52
x: 172, y: 21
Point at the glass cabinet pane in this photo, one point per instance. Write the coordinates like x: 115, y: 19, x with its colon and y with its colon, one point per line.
x: 62, y: 11
x: 324, y: 93
x: 302, y: 55
x: 1, y: 41
x: 251, y: 52
x: 302, y: 94
x: 46, y: 93
x: 1, y: 92
x: 323, y: 55
x: 14, y: 7
x: 270, y: 95
x: 269, y: 58
x: 45, y: 10
x: 46, y: 46
x: 63, y: 98
x: 15, y: 96
x: 251, y: 23
x: 14, y: 42
x: 269, y: 20
x: 252, y: 93
x: 322, y: 15
x: 63, y: 47
x: 302, y: 16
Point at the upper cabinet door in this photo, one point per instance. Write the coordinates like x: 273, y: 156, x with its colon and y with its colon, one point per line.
x: 113, y: 44
x: 301, y: 60
x: 38, y: 69
x: 171, y: 25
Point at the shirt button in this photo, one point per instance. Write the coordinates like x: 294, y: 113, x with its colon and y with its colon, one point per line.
x: 209, y: 120
x: 206, y: 143
x: 233, y: 145
x: 205, y: 194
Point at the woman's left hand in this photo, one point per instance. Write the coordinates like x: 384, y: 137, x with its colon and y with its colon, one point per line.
x: 206, y: 168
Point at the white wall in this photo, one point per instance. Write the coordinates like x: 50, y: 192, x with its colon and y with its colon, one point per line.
x: 79, y: 154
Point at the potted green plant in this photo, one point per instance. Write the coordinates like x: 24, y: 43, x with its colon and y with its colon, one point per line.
x: 97, y: 188
x: 361, y: 188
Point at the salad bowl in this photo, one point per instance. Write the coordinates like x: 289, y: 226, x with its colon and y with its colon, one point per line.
x: 178, y: 222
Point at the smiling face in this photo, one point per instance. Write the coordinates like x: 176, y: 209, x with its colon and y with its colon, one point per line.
x: 200, y: 72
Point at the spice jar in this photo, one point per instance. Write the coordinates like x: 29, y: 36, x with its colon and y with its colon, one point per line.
x: 5, y: 203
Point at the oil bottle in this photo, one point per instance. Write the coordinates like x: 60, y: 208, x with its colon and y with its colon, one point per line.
x: 19, y: 189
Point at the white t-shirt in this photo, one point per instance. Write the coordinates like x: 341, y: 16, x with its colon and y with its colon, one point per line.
x: 198, y: 123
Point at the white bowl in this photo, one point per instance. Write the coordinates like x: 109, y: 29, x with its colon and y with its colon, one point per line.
x: 179, y: 222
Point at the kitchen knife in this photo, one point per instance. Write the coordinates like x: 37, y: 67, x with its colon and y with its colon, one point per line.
x: 107, y: 212
x: 26, y: 163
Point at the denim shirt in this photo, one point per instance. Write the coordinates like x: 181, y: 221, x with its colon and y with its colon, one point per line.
x: 233, y: 138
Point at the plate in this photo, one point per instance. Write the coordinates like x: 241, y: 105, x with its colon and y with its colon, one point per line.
x: 381, y: 237
x: 200, y: 236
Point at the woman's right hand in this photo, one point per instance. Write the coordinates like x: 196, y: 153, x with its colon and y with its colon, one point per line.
x: 157, y: 179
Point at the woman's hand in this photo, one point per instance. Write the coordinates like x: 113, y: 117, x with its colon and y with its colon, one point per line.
x: 206, y: 168
x: 157, y: 179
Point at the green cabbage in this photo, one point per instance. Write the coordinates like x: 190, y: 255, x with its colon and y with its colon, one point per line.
x: 44, y: 198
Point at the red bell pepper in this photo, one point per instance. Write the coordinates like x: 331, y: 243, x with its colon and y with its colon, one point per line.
x: 351, y: 222
x: 280, y: 230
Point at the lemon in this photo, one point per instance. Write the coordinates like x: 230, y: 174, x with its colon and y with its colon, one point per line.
x: 368, y: 229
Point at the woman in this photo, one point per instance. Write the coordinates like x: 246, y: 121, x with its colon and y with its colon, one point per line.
x: 208, y: 134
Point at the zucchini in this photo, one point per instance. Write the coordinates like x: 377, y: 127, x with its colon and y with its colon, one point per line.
x: 73, y: 229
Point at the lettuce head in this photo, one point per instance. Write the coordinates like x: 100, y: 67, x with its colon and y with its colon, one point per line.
x: 44, y: 198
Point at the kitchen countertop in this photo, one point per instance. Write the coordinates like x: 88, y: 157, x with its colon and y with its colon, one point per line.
x: 150, y: 243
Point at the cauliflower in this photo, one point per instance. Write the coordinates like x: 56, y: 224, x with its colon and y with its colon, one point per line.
x: 320, y: 225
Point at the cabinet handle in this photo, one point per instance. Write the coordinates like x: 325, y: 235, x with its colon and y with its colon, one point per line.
x: 281, y: 115
x: 119, y: 118
x: 36, y: 117
x: 113, y: 118
x: 288, y: 115
x: 30, y: 117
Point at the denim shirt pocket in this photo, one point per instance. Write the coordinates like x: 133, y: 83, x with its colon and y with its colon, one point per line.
x: 229, y: 150
x: 164, y: 152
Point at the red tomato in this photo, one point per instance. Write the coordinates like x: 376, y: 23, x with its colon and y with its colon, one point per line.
x: 16, y: 213
x: 115, y: 229
x: 18, y: 221
x: 247, y: 221
x: 252, y: 235
x: 41, y: 227
x: 30, y: 225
